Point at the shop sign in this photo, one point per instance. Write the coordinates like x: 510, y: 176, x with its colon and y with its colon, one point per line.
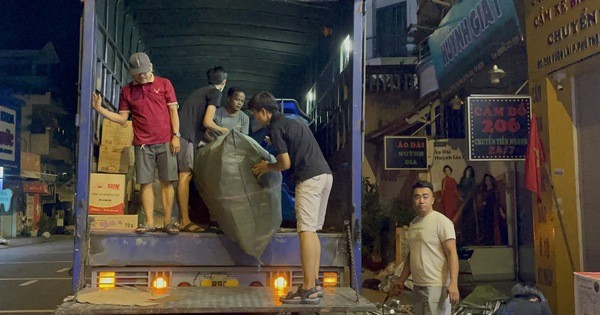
x: 405, y: 153
x: 561, y: 32
x: 462, y: 41
x: 498, y: 127
x: 5, y: 200
x: 35, y: 187
x: 9, y: 140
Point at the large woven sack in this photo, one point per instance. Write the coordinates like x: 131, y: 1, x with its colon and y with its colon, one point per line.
x: 247, y: 209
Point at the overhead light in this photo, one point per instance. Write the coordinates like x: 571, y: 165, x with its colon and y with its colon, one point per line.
x: 347, y: 44
x: 440, y: 2
x: 496, y: 74
x: 456, y: 103
x: 559, y: 77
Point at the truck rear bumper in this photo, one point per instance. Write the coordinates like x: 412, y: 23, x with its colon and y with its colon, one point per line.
x: 193, y: 300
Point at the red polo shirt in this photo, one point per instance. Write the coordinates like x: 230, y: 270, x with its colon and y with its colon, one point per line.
x: 148, y: 106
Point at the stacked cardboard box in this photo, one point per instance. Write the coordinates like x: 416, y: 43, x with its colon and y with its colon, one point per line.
x: 111, y: 187
x: 116, y: 152
x: 587, y: 293
x: 107, y: 193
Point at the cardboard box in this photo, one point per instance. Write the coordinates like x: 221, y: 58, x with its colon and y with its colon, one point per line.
x: 107, y: 194
x: 114, y: 159
x: 587, y: 293
x: 125, y: 223
x: 115, y: 134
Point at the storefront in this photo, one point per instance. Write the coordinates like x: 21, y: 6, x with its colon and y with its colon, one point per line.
x: 563, y: 44
x: 478, y: 50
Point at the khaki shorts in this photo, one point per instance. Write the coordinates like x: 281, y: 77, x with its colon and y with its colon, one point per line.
x: 149, y: 158
x: 185, y: 156
x: 312, y: 196
x: 431, y: 300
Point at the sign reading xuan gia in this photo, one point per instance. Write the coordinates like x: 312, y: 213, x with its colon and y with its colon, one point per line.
x: 405, y: 153
x: 498, y: 127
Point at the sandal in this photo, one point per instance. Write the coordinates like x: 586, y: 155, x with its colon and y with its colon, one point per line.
x: 192, y: 228
x: 319, y: 287
x: 301, y: 296
x: 171, y: 229
x: 145, y: 228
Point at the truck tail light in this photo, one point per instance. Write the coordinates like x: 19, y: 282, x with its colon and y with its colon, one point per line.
x: 106, y: 280
x: 160, y: 283
x: 280, y: 283
x: 330, y: 279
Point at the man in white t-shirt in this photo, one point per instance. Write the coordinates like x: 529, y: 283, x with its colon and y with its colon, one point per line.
x: 432, y: 258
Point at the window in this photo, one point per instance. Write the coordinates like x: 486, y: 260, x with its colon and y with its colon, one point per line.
x: 392, y: 31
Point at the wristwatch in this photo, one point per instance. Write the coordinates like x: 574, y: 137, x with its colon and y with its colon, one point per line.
x: 177, y: 134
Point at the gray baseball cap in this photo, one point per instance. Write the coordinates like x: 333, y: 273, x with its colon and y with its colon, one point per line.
x: 139, y: 63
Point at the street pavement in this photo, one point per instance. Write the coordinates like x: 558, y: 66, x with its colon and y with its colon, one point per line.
x: 34, y: 279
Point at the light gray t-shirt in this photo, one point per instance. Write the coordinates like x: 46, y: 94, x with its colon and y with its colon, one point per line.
x: 239, y: 120
x: 428, y: 263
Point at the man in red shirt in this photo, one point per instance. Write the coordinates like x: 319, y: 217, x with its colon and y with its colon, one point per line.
x: 153, y: 106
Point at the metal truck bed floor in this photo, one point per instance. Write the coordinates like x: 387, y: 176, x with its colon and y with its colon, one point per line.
x: 194, y: 300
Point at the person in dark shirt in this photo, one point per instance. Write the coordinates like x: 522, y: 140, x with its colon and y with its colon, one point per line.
x: 526, y: 300
x: 196, y: 117
x: 296, y: 146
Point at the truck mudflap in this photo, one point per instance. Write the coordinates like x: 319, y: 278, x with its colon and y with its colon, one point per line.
x: 192, y: 300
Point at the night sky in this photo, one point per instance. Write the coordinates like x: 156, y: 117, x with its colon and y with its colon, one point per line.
x: 30, y: 24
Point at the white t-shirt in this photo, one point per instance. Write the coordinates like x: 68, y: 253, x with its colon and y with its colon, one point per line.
x: 428, y: 263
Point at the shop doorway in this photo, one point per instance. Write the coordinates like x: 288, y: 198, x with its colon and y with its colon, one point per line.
x: 587, y: 124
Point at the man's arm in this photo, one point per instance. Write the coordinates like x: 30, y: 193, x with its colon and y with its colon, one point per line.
x: 452, y: 257
x: 175, y: 144
x: 283, y: 163
x: 208, y: 121
x: 119, y: 118
x: 398, y: 285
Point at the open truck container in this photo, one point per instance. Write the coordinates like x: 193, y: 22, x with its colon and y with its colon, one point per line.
x: 305, y: 50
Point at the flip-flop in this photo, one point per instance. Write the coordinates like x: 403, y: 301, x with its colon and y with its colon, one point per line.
x: 192, y: 228
x: 145, y: 228
x: 171, y: 229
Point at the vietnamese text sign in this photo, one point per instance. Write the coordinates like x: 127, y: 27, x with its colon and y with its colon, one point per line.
x: 498, y: 127
x: 405, y: 153
x: 8, y: 121
x: 560, y: 33
x: 466, y: 38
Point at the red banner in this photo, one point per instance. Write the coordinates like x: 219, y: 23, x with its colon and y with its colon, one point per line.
x: 534, y: 160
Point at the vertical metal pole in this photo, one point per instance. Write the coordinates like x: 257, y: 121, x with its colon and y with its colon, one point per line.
x: 516, y: 223
x: 357, y: 133
x: 85, y: 142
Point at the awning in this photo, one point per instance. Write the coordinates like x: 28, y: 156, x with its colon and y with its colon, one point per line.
x: 400, y: 125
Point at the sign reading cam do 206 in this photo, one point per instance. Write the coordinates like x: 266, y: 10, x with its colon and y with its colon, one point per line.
x: 405, y: 153
x: 498, y: 127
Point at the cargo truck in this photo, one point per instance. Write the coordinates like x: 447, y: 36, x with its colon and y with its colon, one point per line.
x: 310, y: 51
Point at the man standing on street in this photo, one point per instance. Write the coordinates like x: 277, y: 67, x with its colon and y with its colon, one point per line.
x: 295, y: 144
x: 153, y: 106
x: 432, y: 258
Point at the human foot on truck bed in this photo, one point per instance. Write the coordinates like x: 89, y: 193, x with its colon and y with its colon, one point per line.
x: 191, y: 228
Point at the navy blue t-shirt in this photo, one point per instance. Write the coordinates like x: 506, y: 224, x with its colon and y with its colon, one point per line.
x: 191, y: 113
x: 290, y: 136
